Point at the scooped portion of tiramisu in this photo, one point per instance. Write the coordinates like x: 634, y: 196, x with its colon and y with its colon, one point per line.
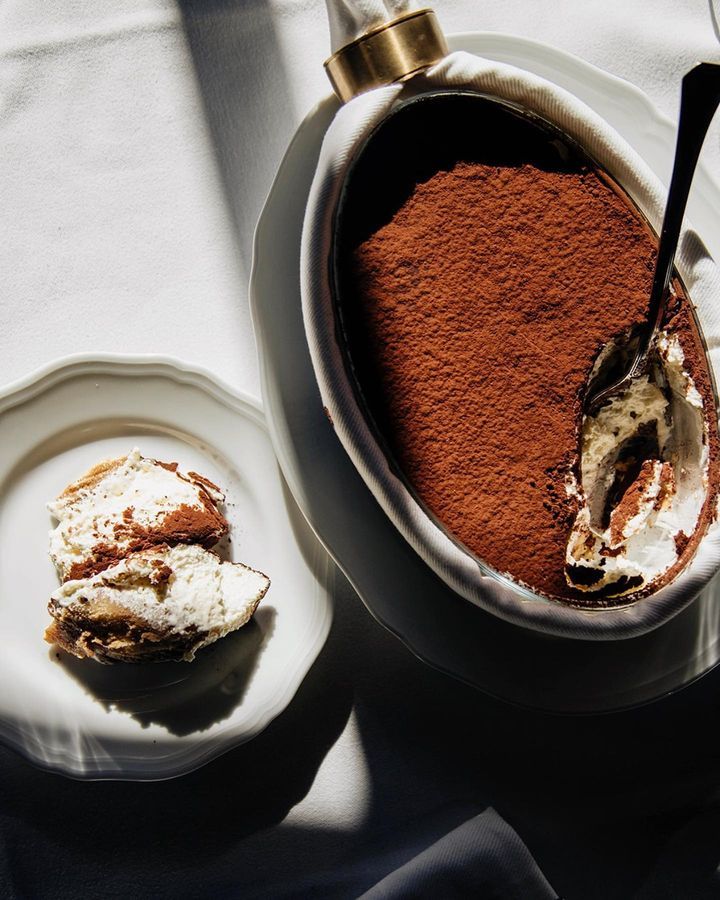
x: 643, y: 480
x: 155, y: 605
x: 128, y: 504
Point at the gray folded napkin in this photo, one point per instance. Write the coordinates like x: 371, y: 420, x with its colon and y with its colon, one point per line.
x: 482, y: 858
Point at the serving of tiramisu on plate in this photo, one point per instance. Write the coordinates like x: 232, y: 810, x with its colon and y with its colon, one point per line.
x: 168, y: 517
x: 140, y: 582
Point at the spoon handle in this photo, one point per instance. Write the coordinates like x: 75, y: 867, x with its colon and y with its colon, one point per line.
x: 699, y: 100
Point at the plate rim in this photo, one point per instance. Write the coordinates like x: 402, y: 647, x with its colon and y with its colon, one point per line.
x: 27, y: 386
x: 205, y: 748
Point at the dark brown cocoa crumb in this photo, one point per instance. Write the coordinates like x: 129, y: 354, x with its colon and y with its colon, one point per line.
x: 170, y: 466
x: 161, y: 573
x: 200, y: 479
x: 632, y: 500
x: 681, y: 542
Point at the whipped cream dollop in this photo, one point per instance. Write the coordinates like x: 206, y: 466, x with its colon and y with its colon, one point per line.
x: 643, y: 480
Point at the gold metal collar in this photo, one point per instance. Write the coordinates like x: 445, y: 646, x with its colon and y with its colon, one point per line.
x: 390, y: 52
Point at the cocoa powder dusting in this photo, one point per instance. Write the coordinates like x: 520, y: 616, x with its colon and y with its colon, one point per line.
x: 475, y: 316
x: 189, y: 524
x: 184, y: 525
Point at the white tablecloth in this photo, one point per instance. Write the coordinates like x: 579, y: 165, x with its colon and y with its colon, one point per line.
x: 119, y: 124
x: 138, y: 140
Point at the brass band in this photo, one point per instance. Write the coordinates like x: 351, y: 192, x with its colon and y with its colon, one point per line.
x: 391, y: 52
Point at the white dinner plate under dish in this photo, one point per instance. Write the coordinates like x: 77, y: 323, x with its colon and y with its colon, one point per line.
x: 154, y: 720
x: 504, y: 660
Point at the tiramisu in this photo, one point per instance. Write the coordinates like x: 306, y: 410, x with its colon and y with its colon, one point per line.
x: 155, y: 605
x: 474, y: 304
x: 140, y: 583
x: 127, y: 504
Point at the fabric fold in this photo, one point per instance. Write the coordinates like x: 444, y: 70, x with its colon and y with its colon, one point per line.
x: 483, y: 857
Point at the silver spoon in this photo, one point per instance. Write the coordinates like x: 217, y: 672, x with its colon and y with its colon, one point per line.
x: 699, y: 100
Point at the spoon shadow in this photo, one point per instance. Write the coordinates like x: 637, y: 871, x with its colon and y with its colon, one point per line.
x: 183, y: 698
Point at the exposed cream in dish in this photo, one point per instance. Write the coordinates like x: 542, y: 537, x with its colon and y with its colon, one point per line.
x: 643, y: 480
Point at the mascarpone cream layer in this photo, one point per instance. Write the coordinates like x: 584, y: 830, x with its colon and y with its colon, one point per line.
x: 174, y: 590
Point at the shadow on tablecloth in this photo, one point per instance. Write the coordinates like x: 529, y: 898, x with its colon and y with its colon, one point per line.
x: 244, y: 87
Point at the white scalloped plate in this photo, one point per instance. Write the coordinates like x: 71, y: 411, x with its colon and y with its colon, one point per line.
x: 151, y: 721
x: 451, y: 634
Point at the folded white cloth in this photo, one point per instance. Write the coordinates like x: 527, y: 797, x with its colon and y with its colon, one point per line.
x: 351, y: 18
x: 457, y: 568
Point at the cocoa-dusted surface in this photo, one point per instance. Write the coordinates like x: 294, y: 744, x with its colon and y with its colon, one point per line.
x: 476, y: 314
